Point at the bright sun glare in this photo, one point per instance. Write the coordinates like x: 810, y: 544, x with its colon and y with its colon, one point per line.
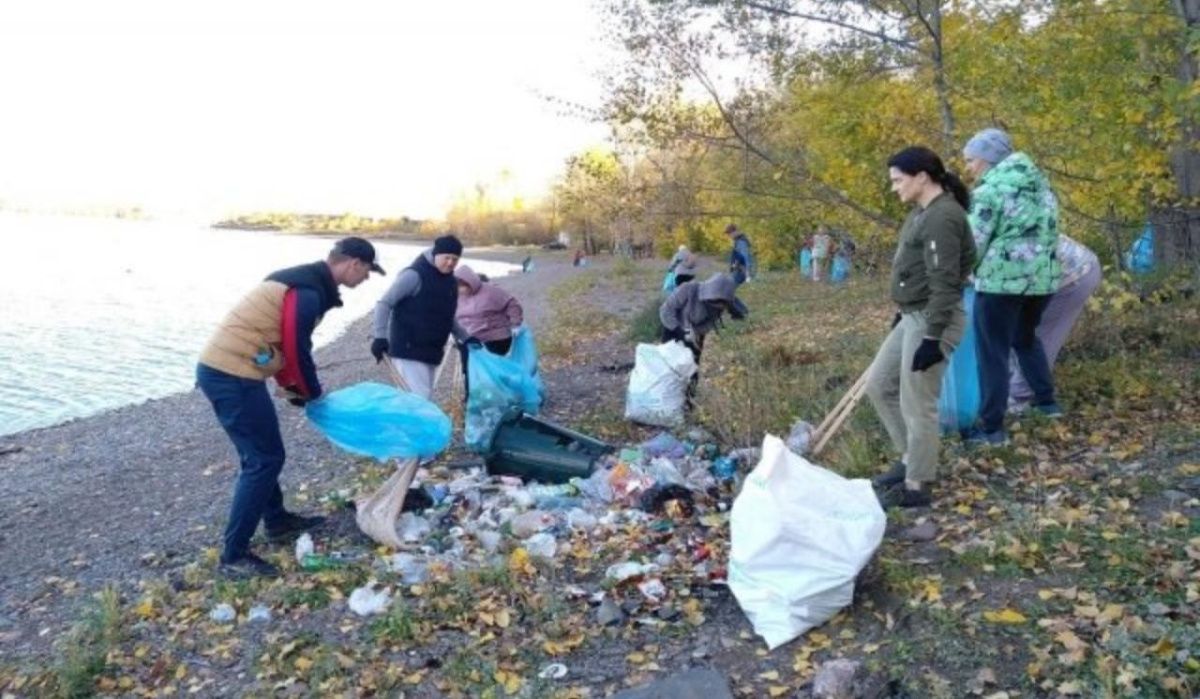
x: 378, y: 108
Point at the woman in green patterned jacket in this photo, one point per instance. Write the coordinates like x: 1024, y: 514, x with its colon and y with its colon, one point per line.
x: 1014, y: 218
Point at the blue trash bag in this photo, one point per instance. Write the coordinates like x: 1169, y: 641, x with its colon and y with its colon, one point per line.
x: 669, y: 282
x: 380, y: 421
x: 498, y: 384
x: 806, y: 263
x: 1140, y: 256
x: 841, y: 269
x: 958, y: 405
x: 524, y: 353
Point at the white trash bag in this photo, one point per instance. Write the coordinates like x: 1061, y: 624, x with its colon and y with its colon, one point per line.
x: 799, y: 535
x: 658, y: 384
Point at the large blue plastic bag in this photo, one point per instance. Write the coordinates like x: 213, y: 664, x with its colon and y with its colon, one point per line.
x: 497, y: 384
x: 806, y: 263
x: 669, y: 282
x: 958, y: 406
x: 380, y: 421
x: 524, y: 353
x: 841, y: 269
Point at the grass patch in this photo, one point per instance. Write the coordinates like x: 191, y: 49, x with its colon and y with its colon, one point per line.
x: 84, y: 652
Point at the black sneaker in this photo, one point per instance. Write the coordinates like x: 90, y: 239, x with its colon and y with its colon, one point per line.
x: 900, y: 496
x: 247, y: 566
x: 895, y: 475
x: 290, y: 525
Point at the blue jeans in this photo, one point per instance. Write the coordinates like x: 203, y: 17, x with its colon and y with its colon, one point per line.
x: 245, y: 410
x: 1007, y: 323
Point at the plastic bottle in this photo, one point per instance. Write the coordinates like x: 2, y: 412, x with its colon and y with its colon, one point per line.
x: 319, y: 561
x: 539, y: 491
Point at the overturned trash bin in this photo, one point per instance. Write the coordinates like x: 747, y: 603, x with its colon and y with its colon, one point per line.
x: 535, y: 449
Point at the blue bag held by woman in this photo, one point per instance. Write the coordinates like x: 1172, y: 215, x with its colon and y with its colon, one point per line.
x: 380, y: 421
x: 958, y: 406
x: 498, y: 383
x: 806, y: 263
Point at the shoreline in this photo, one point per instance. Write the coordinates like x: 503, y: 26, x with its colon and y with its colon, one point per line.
x: 507, y: 254
x: 101, y: 499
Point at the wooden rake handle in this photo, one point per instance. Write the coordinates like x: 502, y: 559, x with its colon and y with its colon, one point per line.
x: 397, y: 377
x: 840, y: 413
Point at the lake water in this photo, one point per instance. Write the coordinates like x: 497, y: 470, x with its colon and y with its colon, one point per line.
x: 97, y: 314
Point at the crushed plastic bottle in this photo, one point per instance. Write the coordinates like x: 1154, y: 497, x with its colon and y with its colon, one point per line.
x: 488, y: 539
x: 582, y: 520
x: 259, y: 612
x: 529, y: 523
x: 541, y: 545
x: 304, y: 547
x: 413, y: 527
x: 223, y: 613
x: 365, y: 601
x: 412, y: 570
x: 799, y: 439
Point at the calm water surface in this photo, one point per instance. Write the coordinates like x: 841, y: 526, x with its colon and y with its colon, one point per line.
x: 97, y: 314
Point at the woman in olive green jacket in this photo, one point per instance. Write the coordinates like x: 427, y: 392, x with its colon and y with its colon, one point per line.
x: 934, y: 255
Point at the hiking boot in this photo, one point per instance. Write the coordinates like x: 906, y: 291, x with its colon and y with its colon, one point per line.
x: 290, y: 525
x: 902, y: 496
x: 1049, y: 410
x: 978, y: 437
x: 247, y: 566
x: 893, y: 476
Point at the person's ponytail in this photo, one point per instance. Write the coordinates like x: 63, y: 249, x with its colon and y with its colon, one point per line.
x: 954, y: 184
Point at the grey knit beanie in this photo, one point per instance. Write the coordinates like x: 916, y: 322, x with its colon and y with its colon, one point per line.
x: 991, y: 145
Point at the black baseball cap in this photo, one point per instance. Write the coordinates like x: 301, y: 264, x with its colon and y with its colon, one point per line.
x: 359, y: 249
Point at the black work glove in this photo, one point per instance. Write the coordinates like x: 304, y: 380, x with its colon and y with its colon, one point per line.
x: 676, y: 334
x: 379, y: 348
x: 298, y: 401
x: 895, y: 320
x: 927, y: 355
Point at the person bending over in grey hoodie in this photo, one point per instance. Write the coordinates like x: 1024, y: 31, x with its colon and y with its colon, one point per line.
x: 695, y: 308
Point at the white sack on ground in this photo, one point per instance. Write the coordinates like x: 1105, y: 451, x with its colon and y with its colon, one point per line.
x: 658, y: 384
x: 800, y: 534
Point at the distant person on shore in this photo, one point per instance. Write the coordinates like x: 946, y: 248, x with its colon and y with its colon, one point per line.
x: 741, y: 258
x: 527, y: 264
x: 820, y: 252
x: 934, y: 256
x: 489, y: 313
x: 694, y: 309
x: 269, y: 334
x: 579, y: 260
x: 415, y: 318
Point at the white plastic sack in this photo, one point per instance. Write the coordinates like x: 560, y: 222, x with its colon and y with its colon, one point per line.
x: 799, y: 536
x: 658, y: 384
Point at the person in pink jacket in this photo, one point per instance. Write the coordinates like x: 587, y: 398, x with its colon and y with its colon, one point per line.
x: 487, y: 313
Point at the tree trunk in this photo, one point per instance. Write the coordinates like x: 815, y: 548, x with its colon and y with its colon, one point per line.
x: 1177, y: 227
x: 939, y: 81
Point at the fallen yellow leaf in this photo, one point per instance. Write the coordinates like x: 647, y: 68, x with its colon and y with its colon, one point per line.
x: 1005, y: 616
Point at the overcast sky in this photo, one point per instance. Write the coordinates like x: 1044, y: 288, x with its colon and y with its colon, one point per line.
x: 383, y: 108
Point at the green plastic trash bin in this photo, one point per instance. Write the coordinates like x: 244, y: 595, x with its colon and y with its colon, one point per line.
x: 534, y: 449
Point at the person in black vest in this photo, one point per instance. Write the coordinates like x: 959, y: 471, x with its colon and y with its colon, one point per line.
x: 415, y: 317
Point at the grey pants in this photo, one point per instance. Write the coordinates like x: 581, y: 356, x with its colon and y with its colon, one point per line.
x: 906, y: 400
x: 1057, y: 320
